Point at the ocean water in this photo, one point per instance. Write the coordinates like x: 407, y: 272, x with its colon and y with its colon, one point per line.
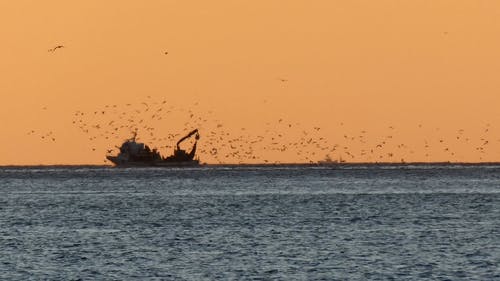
x: 251, y: 223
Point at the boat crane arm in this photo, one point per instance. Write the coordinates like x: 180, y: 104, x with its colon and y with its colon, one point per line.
x: 195, y: 131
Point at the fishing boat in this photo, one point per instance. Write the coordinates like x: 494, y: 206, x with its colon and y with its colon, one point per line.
x: 136, y: 154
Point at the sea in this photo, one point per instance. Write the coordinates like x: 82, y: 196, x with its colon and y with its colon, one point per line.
x: 276, y: 222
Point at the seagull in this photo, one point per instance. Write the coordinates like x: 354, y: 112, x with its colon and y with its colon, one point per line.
x: 55, y: 48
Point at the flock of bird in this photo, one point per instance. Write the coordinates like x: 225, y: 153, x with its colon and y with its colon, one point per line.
x: 219, y: 142
x: 160, y: 125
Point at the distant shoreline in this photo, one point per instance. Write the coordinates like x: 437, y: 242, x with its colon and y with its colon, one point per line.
x: 333, y: 164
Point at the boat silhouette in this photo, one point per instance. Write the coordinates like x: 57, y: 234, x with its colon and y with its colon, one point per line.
x: 136, y: 154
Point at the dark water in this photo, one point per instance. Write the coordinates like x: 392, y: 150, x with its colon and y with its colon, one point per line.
x: 251, y: 223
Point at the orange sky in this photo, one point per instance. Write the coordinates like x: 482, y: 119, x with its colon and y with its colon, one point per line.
x: 426, y: 68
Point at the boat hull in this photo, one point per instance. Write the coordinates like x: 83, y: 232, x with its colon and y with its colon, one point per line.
x: 121, y: 163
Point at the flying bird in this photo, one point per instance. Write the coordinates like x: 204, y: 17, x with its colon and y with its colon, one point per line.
x: 55, y: 48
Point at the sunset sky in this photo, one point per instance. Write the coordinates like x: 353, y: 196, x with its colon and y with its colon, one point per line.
x: 419, y: 78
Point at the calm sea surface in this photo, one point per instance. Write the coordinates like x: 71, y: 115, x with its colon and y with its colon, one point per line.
x: 251, y: 223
